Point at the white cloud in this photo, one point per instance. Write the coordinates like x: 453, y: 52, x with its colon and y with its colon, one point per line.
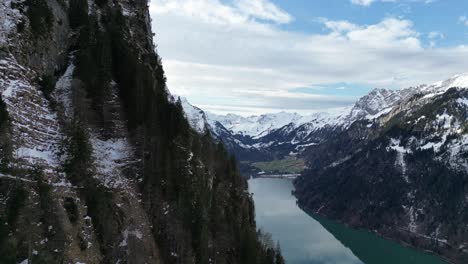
x: 435, y: 35
x: 220, y: 54
x: 362, y: 2
x: 463, y: 20
x: 263, y: 9
x: 369, y: 2
x: 338, y: 26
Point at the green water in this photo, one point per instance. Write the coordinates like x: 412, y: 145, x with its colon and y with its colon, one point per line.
x: 315, y: 240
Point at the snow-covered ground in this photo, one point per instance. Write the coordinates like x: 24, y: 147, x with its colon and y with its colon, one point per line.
x: 35, y: 129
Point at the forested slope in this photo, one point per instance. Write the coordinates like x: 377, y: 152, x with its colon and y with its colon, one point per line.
x: 99, y: 164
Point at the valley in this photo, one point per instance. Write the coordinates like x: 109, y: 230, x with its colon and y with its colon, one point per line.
x: 395, y: 162
x: 101, y: 160
x: 288, y: 165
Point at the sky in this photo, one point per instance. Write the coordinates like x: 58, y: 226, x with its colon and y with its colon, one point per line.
x: 261, y: 56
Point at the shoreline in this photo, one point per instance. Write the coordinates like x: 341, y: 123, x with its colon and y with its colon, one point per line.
x: 291, y: 176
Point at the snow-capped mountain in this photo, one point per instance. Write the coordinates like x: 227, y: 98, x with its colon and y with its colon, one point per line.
x: 403, y: 174
x: 259, y: 135
x: 395, y: 162
x: 460, y: 81
x: 282, y: 134
x: 195, y: 116
x: 257, y: 126
x: 375, y: 104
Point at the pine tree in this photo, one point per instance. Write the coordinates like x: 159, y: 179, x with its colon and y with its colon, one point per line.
x: 279, y: 257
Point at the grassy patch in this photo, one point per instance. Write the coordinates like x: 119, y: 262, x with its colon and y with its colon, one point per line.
x: 287, y: 165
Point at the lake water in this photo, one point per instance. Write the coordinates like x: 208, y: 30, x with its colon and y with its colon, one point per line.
x: 304, y: 239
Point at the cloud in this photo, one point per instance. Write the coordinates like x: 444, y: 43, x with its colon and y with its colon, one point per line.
x: 263, y: 9
x: 218, y: 54
x: 369, y: 2
x: 338, y: 26
x: 389, y: 33
x: 463, y: 20
x: 435, y: 35
x: 362, y: 2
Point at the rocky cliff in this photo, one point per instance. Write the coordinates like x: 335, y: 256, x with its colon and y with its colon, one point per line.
x: 98, y: 163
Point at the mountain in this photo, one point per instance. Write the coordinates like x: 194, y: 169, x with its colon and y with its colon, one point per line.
x: 403, y: 174
x: 279, y: 136
x: 256, y: 126
x: 98, y: 162
x: 396, y: 162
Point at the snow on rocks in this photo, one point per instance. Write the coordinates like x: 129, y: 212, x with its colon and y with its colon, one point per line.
x: 113, y: 152
x: 63, y: 91
x: 9, y: 18
x: 35, y: 128
x: 395, y: 144
x: 16, y: 178
x: 194, y: 115
x: 126, y: 233
x: 412, y: 223
x: 374, y: 105
x: 256, y: 126
x: 110, y: 156
x: 463, y: 102
x: 457, y: 81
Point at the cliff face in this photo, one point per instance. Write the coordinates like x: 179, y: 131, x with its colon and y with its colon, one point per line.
x: 98, y: 164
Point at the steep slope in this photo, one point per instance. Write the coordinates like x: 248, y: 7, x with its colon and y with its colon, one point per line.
x: 98, y: 163
x: 237, y: 144
x: 403, y: 174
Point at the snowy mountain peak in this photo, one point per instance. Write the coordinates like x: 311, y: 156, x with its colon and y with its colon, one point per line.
x: 378, y: 99
x: 257, y: 126
x: 376, y: 103
x: 457, y: 81
x: 282, y: 129
x: 460, y: 80
x: 194, y: 115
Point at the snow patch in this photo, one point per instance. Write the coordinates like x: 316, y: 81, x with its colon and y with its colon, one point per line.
x: 63, y: 91
x: 110, y: 156
x: 35, y: 128
x: 135, y: 233
x: 395, y: 144
x: 463, y: 101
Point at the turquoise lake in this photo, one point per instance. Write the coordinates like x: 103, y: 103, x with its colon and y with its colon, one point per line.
x: 315, y: 240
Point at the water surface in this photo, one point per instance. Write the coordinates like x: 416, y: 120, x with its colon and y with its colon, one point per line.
x: 313, y: 240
